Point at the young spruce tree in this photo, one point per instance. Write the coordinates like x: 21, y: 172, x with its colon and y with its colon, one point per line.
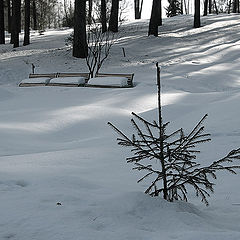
x: 169, y: 160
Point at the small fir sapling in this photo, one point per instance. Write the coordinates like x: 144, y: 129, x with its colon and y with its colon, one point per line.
x: 169, y: 160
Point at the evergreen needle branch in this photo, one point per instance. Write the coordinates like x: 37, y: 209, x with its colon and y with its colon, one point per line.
x: 174, y: 166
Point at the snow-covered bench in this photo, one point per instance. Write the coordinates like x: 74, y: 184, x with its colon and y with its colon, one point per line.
x: 37, y: 80
x: 111, y: 80
x: 102, y: 80
x: 55, y: 79
x: 69, y: 80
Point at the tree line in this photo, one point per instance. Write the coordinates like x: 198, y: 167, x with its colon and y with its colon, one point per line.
x: 42, y: 14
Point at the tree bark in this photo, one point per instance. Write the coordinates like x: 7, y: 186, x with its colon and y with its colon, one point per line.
x: 138, y: 8
x: 229, y: 6
x: 210, y: 6
x: 113, y: 22
x: 103, y: 16
x: 154, y: 20
x: 80, y: 48
x: 197, y: 22
x: 27, y: 23
x: 16, y: 19
x: 90, y: 6
x: 181, y: 6
x: 205, y: 8
x: 2, y: 25
x: 160, y: 13
x: 235, y: 6
x: 9, y: 15
x: 34, y: 15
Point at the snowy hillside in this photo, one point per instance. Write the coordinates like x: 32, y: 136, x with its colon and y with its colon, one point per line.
x: 55, y: 145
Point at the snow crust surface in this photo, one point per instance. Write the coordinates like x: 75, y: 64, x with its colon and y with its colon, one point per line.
x: 36, y: 80
x: 62, y: 176
x: 111, y: 81
x: 74, y: 80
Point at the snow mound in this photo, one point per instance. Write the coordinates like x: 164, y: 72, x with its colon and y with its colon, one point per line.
x: 68, y: 80
x: 113, y: 81
x: 140, y: 211
x: 36, y: 80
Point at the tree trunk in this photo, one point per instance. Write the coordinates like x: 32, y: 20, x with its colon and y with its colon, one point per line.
x: 103, y: 16
x: 197, y: 22
x: 113, y: 21
x: 210, y: 7
x: 182, y: 7
x: 34, y: 15
x: 138, y: 8
x: 2, y: 26
x: 154, y: 20
x: 235, y: 6
x: 229, y: 6
x: 90, y: 6
x: 215, y: 5
x: 80, y: 48
x: 205, y: 8
x: 9, y: 15
x: 185, y: 7
x: 160, y: 13
x: 16, y: 19
x: 27, y: 23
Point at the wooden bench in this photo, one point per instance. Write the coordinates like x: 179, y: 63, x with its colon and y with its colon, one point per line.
x: 47, y: 75
x: 66, y: 75
x: 129, y: 77
x: 32, y: 83
x: 85, y: 75
x: 54, y: 75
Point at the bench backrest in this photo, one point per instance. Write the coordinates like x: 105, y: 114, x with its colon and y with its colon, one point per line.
x: 50, y: 75
x: 56, y: 75
x: 85, y: 75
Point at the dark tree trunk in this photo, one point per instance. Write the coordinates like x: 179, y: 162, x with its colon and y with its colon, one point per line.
x: 205, y: 8
x: 210, y: 7
x: 138, y: 8
x: 154, y: 20
x: 197, y: 22
x: 34, y: 15
x: 2, y: 26
x: 80, y: 48
x: 235, y: 6
x: 160, y: 13
x: 90, y: 6
x: 181, y: 6
x: 103, y: 16
x: 16, y: 19
x: 27, y: 23
x: 9, y: 15
x: 113, y: 22
x: 229, y: 6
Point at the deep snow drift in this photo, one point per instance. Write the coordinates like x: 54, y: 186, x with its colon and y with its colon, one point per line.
x: 56, y: 147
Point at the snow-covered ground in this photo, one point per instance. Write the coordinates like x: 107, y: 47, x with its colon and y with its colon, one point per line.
x: 55, y: 145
